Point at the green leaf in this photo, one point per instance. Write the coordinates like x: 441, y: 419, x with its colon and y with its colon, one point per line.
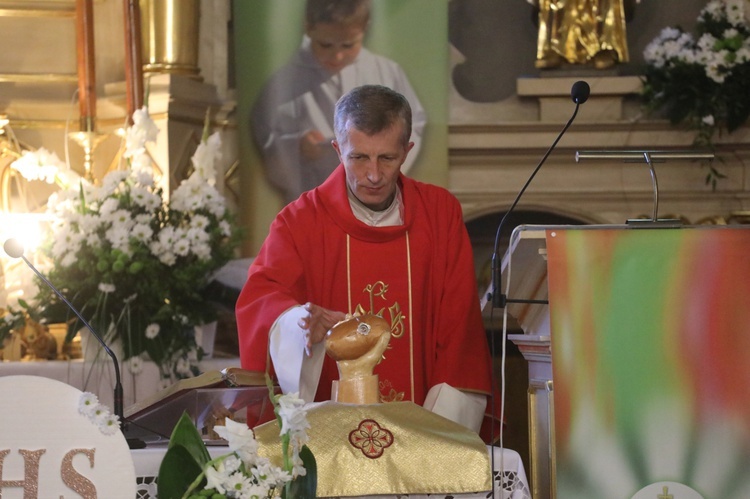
x: 186, y: 435
x: 184, y: 460
x: 304, y: 487
x: 177, y: 471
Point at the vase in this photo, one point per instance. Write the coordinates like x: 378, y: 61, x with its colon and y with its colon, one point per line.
x: 205, y: 336
x: 93, y: 351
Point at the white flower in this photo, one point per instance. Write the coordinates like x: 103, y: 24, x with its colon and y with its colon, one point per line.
x: 202, y: 251
x: 144, y: 130
x: 293, y: 414
x: 238, y: 435
x: 275, y: 476
x: 119, y: 237
x: 99, y: 414
x: 142, y: 232
x: 112, y: 181
x: 168, y: 258
x: 106, y: 287
x: 298, y: 467
x: 135, y: 364
x: 232, y: 463
x: 109, y: 206
x: 205, y: 158
x: 87, y: 403
x: 141, y: 162
x: 181, y: 247
x: 199, y: 222
x: 225, y: 228
x: 38, y: 165
x: 182, y: 367
x: 68, y: 259
x: 237, y: 485
x: 197, y: 235
x: 708, y: 120
x: 215, y: 477
x: 144, y: 177
x: 109, y: 424
x: 152, y: 331
x: 143, y: 197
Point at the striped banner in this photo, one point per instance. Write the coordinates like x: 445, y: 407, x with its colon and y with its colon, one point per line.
x: 651, y: 361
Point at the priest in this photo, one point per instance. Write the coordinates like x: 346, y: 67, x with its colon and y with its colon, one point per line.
x: 371, y: 240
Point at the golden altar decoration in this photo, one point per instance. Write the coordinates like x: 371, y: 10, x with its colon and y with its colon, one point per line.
x: 385, y: 449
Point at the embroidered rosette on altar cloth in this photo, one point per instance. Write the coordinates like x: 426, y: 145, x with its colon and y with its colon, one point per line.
x: 387, y: 449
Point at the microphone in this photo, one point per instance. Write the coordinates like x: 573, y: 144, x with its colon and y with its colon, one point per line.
x: 579, y: 93
x: 14, y: 249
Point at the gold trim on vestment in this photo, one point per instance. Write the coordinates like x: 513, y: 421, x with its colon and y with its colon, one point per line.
x: 348, y: 274
x: 395, y: 311
x: 411, y: 317
x: 413, y: 451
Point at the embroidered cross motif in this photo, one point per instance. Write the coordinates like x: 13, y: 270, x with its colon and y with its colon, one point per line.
x: 370, y: 438
x: 665, y: 494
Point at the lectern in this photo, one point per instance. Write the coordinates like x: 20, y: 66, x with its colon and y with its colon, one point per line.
x: 638, y: 366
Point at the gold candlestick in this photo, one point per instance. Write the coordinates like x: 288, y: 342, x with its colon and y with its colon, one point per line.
x: 88, y: 138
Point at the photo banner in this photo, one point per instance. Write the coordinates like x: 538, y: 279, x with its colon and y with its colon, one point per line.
x: 650, y: 335
x: 284, y: 92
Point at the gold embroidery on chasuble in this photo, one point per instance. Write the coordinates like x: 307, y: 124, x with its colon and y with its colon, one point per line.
x: 391, y: 263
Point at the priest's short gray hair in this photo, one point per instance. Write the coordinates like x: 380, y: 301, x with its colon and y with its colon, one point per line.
x: 371, y: 109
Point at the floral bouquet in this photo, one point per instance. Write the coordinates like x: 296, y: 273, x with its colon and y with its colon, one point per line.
x: 188, y: 471
x: 702, y: 81
x: 135, y: 263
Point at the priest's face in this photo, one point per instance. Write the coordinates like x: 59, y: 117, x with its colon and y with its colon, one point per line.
x: 373, y: 163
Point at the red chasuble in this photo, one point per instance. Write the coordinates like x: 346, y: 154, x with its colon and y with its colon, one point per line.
x: 419, y: 276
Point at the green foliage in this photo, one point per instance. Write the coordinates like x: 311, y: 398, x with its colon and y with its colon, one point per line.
x: 184, y: 460
x: 304, y: 487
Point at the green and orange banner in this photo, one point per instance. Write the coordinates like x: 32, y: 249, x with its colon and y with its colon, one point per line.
x: 650, y: 340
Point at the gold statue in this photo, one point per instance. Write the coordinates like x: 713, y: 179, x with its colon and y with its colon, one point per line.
x: 581, y: 32
x: 38, y: 343
x: 357, y: 345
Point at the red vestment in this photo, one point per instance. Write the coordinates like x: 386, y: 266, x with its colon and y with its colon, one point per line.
x: 419, y: 276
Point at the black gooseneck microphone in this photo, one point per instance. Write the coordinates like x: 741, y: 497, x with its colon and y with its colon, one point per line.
x: 579, y: 92
x: 14, y: 249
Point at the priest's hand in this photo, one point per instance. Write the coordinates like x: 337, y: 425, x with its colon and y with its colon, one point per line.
x: 317, y: 323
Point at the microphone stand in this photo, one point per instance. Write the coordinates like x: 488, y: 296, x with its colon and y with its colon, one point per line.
x: 499, y: 300
x: 648, y: 157
x: 118, y: 393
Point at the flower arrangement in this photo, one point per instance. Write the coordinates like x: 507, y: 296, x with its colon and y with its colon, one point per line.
x: 702, y: 82
x: 136, y: 264
x: 187, y: 470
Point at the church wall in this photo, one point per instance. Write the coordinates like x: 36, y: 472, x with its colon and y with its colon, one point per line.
x: 495, y: 135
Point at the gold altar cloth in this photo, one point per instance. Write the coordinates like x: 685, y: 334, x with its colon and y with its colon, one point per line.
x: 387, y: 449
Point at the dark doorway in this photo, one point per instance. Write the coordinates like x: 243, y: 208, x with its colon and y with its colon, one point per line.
x: 482, y: 232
